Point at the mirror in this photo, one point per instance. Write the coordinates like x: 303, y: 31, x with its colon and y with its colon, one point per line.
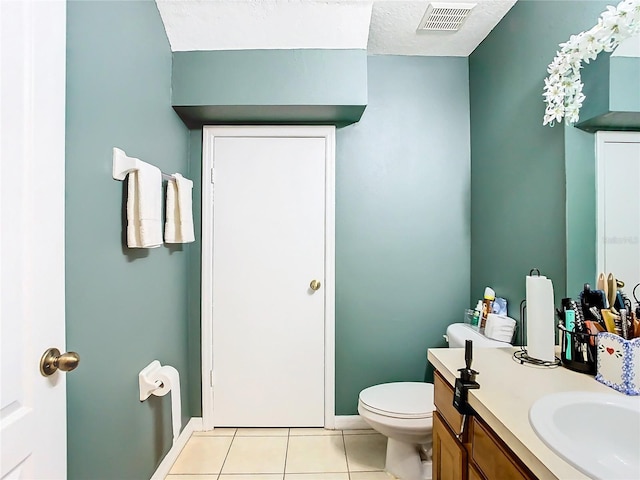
x: 618, y: 206
x: 586, y: 226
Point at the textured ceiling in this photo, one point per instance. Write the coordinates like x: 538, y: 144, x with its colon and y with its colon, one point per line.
x: 393, y: 28
x: 264, y: 24
x: 382, y: 27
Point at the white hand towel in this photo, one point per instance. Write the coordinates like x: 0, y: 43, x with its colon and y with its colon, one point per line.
x: 144, y: 207
x: 178, y: 227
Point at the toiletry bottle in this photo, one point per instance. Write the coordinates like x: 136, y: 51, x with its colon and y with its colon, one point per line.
x: 569, y: 323
x: 489, y: 297
x: 476, y: 314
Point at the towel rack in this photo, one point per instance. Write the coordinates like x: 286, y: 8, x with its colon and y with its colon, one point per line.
x: 123, y: 164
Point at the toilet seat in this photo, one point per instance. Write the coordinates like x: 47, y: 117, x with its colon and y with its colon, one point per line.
x: 399, y: 400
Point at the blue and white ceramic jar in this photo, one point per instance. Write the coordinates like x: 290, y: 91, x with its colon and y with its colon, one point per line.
x: 618, y: 363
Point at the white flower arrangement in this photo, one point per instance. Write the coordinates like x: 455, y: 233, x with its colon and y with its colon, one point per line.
x: 563, y: 87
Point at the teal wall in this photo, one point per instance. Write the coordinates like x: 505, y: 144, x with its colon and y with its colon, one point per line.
x: 125, y: 308
x: 580, y: 167
x: 625, y: 84
x: 518, y: 218
x: 596, y: 81
x: 402, y: 222
x: 612, y: 90
x: 193, y: 278
x: 310, y: 86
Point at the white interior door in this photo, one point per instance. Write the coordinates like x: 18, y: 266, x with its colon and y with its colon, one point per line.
x: 268, y: 246
x: 619, y: 206
x: 32, y: 81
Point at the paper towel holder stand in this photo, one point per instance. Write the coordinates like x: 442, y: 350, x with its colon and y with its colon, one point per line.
x: 147, y: 385
x: 521, y: 356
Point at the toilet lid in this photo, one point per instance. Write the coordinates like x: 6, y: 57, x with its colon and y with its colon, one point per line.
x: 400, y: 399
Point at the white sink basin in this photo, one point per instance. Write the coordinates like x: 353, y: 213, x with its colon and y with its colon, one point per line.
x: 597, y: 433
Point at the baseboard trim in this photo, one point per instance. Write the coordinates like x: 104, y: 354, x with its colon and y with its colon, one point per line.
x: 193, y: 425
x: 350, y: 422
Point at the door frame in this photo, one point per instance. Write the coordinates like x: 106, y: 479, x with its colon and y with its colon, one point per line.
x: 209, y: 135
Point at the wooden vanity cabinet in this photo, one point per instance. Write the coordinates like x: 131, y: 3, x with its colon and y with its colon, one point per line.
x: 449, y: 456
x: 492, y: 457
x: 474, y: 473
x: 478, y: 454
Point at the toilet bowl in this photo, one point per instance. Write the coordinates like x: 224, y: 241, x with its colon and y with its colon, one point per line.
x: 403, y: 412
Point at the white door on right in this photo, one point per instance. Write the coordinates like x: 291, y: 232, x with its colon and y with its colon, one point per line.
x: 268, y: 281
x: 618, y: 198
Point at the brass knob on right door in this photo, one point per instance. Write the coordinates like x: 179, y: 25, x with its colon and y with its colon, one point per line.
x: 315, y: 285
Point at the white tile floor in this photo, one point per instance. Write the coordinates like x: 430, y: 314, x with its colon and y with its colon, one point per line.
x: 282, y: 454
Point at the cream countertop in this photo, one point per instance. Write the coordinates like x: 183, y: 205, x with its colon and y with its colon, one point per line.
x: 507, y: 391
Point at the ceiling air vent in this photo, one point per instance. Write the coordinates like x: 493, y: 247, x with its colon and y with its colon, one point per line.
x: 447, y: 17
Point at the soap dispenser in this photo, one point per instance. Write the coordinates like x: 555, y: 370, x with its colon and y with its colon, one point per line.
x: 466, y: 381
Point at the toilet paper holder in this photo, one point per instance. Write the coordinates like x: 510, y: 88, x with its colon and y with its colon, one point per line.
x: 147, y: 382
x: 159, y: 380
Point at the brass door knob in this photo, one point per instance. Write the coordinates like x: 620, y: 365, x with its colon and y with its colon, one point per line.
x: 52, y: 360
x: 315, y: 285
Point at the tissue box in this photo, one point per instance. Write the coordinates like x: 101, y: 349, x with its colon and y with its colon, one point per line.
x: 618, y: 364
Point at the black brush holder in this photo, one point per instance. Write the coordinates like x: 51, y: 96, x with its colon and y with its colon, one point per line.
x: 578, y: 351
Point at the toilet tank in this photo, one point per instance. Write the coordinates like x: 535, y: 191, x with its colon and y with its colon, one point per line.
x: 457, y: 333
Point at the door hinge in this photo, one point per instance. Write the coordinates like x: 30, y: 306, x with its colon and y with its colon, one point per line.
x: 211, y: 378
x: 213, y: 176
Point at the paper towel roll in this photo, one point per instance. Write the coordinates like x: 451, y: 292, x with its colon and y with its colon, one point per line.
x: 160, y: 380
x: 540, y: 318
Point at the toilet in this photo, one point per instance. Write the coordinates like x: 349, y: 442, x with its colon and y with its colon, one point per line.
x: 403, y: 412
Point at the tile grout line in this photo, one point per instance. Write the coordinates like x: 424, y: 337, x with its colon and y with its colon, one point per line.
x: 286, y: 454
x: 346, y: 457
x: 227, y: 454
